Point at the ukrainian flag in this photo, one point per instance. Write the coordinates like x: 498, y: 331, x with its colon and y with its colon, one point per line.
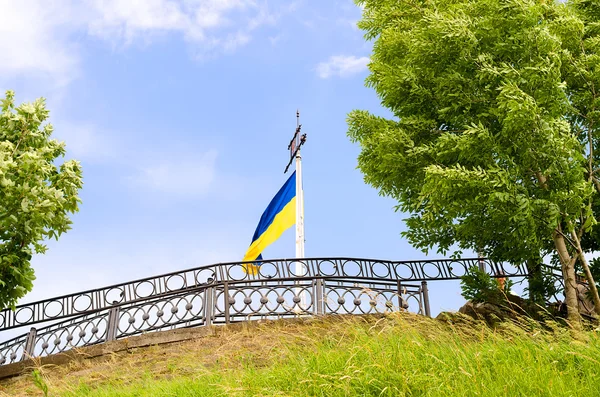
x: 279, y: 216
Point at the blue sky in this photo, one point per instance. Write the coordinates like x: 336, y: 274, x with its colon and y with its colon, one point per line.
x: 180, y: 112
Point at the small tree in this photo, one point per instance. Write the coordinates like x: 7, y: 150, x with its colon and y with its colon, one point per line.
x: 478, y: 286
x: 37, y: 194
x: 493, y: 143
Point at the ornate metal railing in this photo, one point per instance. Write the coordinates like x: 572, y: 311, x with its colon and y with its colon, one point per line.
x: 220, y: 303
x: 223, y: 293
x: 349, y: 268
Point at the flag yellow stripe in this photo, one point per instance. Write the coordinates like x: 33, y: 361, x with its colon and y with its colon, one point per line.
x: 285, y: 219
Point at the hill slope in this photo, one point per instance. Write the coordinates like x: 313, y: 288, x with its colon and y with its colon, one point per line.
x: 396, y: 355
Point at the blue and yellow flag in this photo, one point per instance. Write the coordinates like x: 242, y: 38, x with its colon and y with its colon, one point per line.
x: 279, y: 216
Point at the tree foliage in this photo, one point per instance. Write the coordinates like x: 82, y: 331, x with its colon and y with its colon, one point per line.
x: 493, y: 142
x: 36, y: 193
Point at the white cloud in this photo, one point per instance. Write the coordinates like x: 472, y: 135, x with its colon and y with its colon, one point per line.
x: 181, y: 176
x: 126, y: 20
x: 117, y: 19
x: 37, y: 36
x: 31, y: 41
x: 341, y: 66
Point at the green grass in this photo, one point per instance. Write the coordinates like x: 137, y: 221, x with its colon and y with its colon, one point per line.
x: 398, y: 355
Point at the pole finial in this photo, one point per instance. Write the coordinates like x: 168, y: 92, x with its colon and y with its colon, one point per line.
x: 297, y: 141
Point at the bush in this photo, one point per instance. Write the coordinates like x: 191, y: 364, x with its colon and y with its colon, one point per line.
x: 478, y: 286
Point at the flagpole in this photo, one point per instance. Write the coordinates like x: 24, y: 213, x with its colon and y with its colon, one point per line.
x: 299, y: 217
x: 294, y: 148
x: 299, y: 213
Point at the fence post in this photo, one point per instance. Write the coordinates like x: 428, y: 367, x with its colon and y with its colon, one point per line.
x: 318, y: 297
x: 208, y: 306
x: 425, y: 295
x: 481, y: 262
x: 113, y: 324
x: 226, y: 301
x: 29, y: 344
x: 400, y: 299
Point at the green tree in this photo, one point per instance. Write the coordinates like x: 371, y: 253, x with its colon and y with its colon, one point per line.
x: 494, y: 109
x: 36, y: 193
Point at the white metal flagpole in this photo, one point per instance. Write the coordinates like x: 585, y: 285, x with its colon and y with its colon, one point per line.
x: 300, y: 270
x: 299, y: 212
x: 295, y: 145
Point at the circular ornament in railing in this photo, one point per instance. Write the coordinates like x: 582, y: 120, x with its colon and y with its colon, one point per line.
x: 341, y: 300
x: 430, y: 270
x: 280, y: 299
x: 114, y: 296
x: 45, y: 345
x: 231, y: 301
x: 268, y: 270
x: 189, y: 307
x: 510, y: 269
x: 82, y: 303
x: 13, y: 356
x: 457, y: 269
x: 404, y: 271
x: 53, y: 309
x: 160, y: 313
x: 357, y: 302
x: 56, y: 341
x: 174, y: 309
x: 296, y: 299
x: 247, y: 300
x: 82, y: 334
x: 351, y: 269
x: 94, y: 330
x: 373, y: 302
x: 328, y: 268
x: 69, y: 338
x: 131, y: 320
x: 297, y: 268
x: 175, y: 282
x: 2, y: 360
x: 205, y: 276
x: 145, y: 316
x: 380, y: 269
x: 144, y: 289
x: 264, y: 300
x: 24, y: 315
x: 235, y: 272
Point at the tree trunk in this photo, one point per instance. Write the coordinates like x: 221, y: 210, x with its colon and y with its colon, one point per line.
x: 588, y: 274
x: 568, y: 270
x: 536, y: 281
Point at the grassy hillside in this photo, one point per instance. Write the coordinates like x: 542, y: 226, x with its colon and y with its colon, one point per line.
x: 398, y: 355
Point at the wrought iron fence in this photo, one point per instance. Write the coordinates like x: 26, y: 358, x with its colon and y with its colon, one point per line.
x: 223, y: 293
x: 219, y: 303
x: 270, y: 270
